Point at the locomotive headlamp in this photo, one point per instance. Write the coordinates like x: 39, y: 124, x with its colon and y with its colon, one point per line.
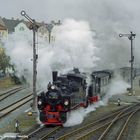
x: 39, y: 102
x: 52, y: 87
x: 66, y: 102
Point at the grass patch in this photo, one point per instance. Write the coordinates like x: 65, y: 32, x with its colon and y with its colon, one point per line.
x: 6, y: 83
x: 25, y: 123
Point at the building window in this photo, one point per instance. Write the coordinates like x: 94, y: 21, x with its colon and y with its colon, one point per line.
x: 21, y: 28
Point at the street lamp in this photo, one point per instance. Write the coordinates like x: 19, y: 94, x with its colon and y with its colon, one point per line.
x: 131, y: 37
x: 23, y: 13
x: 35, y: 56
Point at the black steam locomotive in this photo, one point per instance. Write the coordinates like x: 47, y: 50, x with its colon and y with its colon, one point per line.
x: 69, y: 92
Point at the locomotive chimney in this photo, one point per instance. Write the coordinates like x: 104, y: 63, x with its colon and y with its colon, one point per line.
x: 54, y: 76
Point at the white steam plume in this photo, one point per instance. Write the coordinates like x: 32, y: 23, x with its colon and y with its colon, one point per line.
x: 73, y: 47
x: 118, y: 86
x: 76, y: 117
x: 108, y: 18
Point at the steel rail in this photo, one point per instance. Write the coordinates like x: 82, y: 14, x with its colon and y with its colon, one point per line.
x: 10, y: 90
x: 87, y: 135
x: 114, y: 120
x: 38, y: 133
x: 6, y: 110
x: 126, y: 123
x: 50, y: 133
x: 9, y: 93
x: 93, y: 123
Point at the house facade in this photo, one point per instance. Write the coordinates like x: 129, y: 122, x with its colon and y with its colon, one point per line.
x: 45, y: 30
x: 3, y: 29
x: 22, y: 28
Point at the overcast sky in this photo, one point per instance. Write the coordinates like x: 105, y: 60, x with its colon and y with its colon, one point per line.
x: 45, y: 9
x: 60, y: 9
x: 97, y: 12
x: 94, y: 11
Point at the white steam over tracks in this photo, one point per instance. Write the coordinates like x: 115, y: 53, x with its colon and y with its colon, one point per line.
x: 74, y: 46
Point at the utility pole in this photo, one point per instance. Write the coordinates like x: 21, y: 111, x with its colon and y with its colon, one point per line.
x: 131, y: 37
x: 35, y: 56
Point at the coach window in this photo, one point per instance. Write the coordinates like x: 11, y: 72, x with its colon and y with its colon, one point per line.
x: 107, y: 80
x: 103, y: 81
x: 21, y: 28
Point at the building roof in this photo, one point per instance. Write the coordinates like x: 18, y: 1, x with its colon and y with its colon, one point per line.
x: 1, y: 22
x: 2, y: 25
x: 11, y: 24
x: 102, y: 73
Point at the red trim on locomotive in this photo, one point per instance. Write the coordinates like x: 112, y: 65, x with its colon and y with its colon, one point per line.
x: 94, y: 99
x: 49, y: 108
x: 82, y: 105
x: 52, y: 118
x: 50, y: 123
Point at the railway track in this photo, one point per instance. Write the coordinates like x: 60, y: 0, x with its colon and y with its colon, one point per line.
x: 8, y: 109
x: 8, y: 93
x: 83, y: 133
x: 42, y: 133
x: 118, y: 125
x: 97, y: 128
x: 122, y: 132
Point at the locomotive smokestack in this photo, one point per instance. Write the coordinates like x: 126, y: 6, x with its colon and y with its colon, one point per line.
x: 54, y: 76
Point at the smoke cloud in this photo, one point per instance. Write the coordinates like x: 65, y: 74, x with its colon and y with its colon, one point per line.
x: 76, y: 117
x: 74, y: 46
x: 108, y: 19
x: 118, y: 86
